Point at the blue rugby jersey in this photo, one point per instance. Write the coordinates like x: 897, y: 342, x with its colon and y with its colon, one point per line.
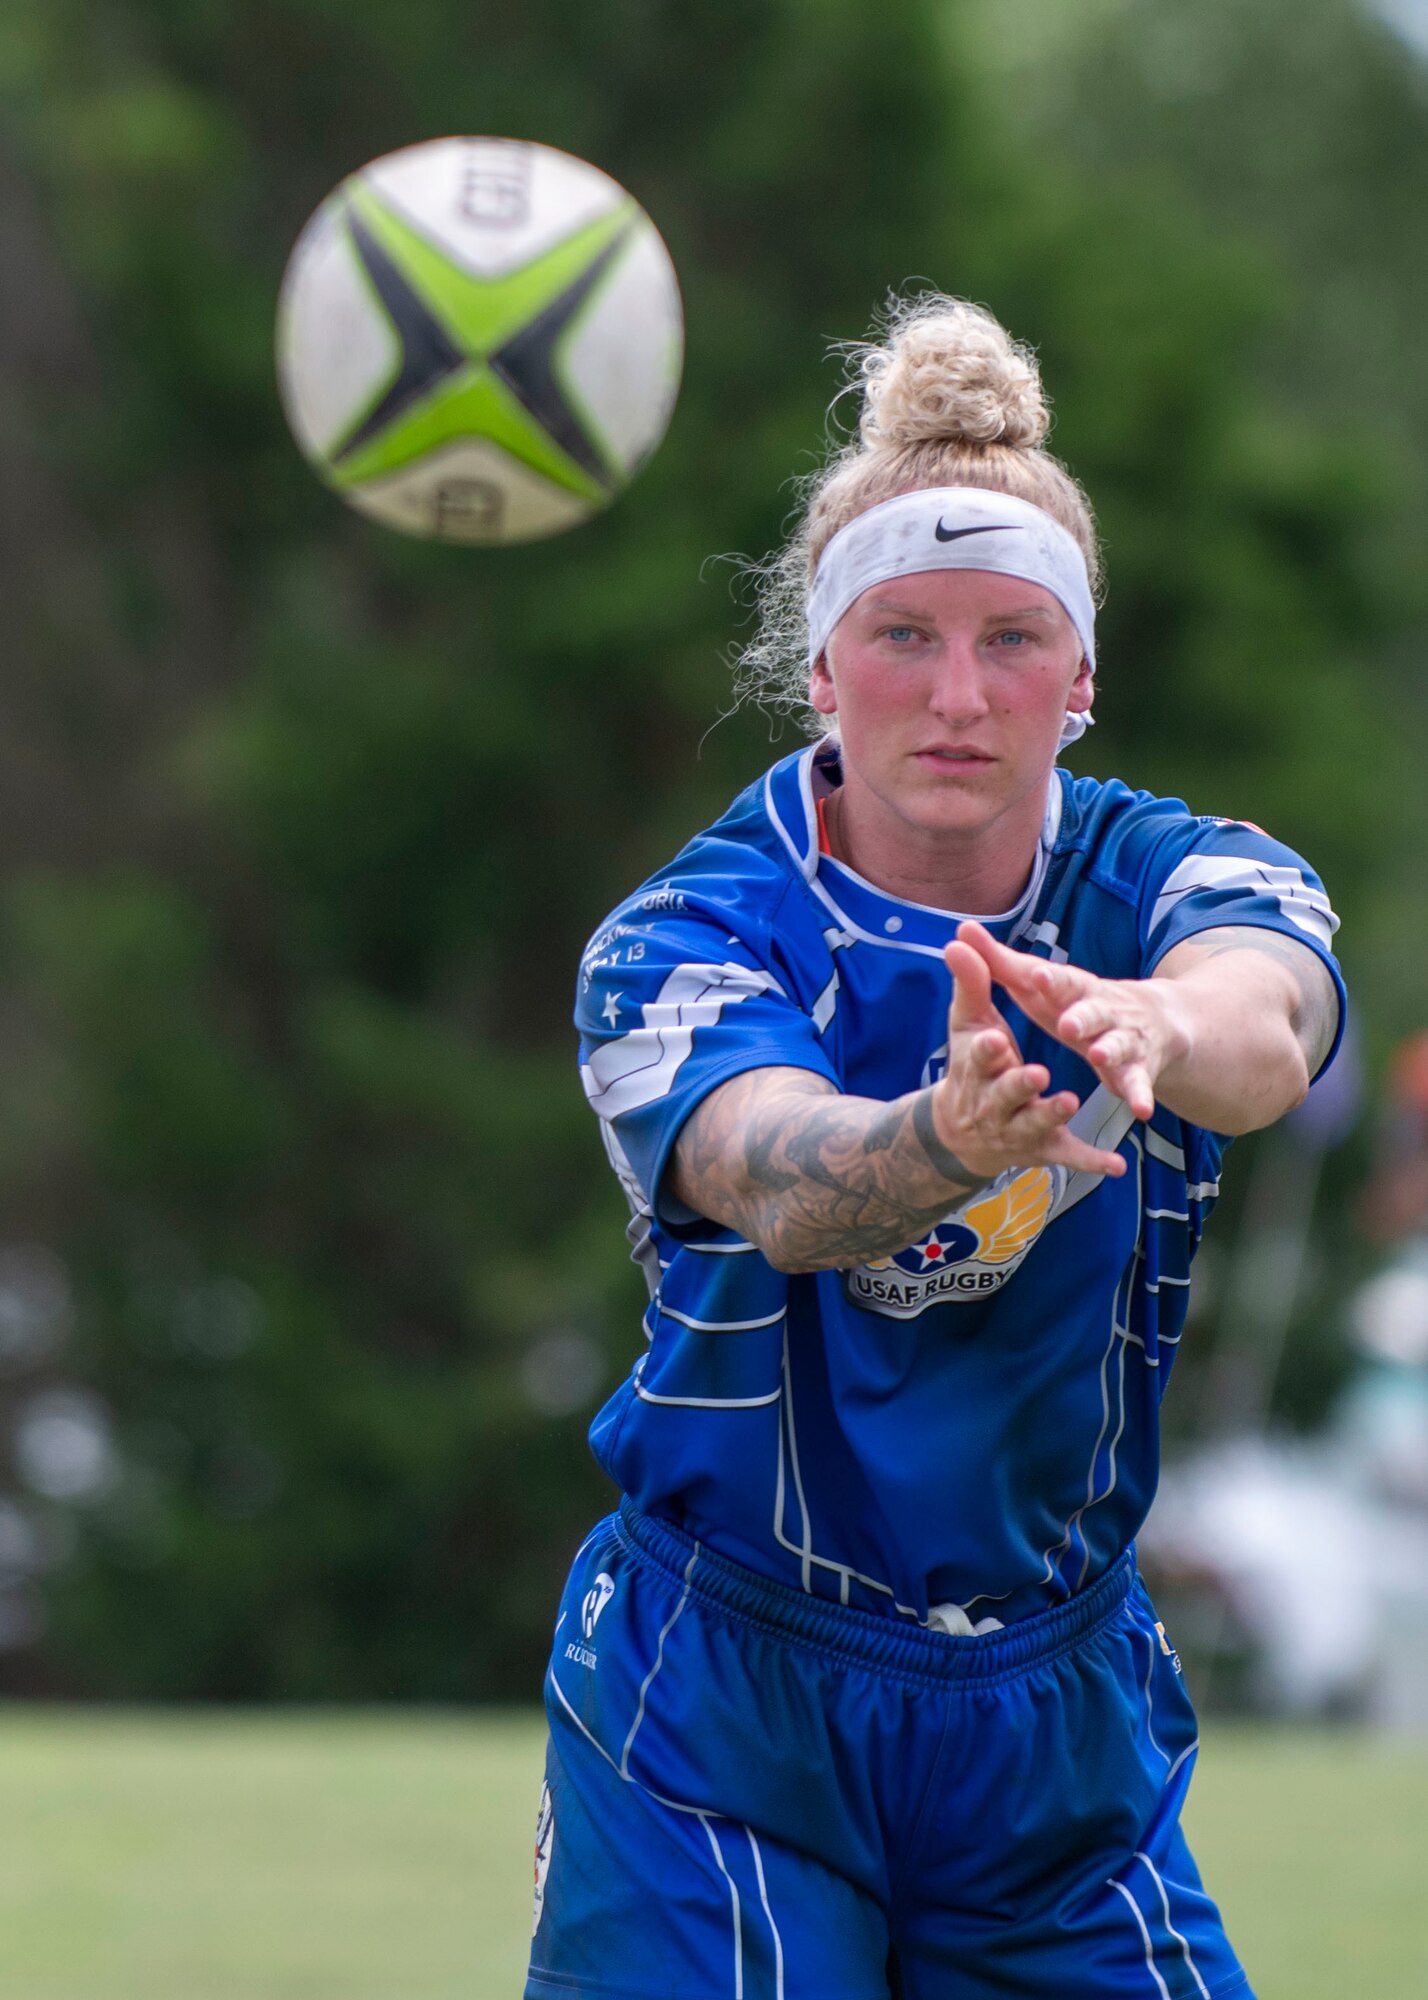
x: 974, y: 1420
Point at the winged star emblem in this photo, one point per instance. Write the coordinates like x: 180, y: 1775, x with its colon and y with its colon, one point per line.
x: 969, y: 1254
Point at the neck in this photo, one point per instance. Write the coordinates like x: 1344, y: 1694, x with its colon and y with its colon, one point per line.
x: 975, y: 873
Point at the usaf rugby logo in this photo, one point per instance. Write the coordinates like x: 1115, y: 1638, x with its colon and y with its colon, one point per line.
x: 969, y: 1254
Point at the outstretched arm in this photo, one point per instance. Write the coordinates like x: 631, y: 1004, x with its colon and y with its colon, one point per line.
x: 819, y: 1180
x: 1226, y: 1032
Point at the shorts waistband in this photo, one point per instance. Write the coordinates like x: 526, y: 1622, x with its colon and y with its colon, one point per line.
x: 862, y: 1635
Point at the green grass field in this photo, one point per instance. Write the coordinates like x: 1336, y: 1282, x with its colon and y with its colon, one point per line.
x: 293, y: 1856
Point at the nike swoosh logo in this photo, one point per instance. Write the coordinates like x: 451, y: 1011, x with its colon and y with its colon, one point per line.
x: 956, y: 534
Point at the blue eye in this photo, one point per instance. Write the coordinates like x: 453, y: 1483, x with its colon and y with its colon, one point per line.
x: 1014, y: 638
x: 899, y: 632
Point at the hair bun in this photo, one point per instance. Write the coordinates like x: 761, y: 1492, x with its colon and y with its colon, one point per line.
x: 948, y: 370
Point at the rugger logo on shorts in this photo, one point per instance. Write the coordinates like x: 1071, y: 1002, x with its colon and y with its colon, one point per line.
x: 596, y: 1598
x: 591, y: 1605
x: 970, y: 1254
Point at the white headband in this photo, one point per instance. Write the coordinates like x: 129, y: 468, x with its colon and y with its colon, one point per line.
x: 953, y: 527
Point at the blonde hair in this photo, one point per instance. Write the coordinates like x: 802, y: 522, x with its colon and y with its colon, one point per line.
x: 948, y: 399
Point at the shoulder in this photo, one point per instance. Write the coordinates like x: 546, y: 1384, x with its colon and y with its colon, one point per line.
x: 1132, y: 841
x: 1119, y: 830
x: 734, y: 873
x: 733, y: 894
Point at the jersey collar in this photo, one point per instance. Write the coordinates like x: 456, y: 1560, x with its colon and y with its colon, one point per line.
x: 857, y: 906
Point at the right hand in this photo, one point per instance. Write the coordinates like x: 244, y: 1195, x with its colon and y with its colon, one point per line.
x: 990, y: 1109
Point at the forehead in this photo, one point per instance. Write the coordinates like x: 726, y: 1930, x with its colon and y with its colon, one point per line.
x: 967, y: 594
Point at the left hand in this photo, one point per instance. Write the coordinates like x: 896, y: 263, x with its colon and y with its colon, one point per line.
x: 1129, y: 1030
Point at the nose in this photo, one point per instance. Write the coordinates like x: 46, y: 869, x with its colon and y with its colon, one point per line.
x: 958, y: 695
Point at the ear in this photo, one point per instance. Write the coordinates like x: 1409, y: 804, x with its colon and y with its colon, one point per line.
x: 1083, y: 690
x: 821, y: 691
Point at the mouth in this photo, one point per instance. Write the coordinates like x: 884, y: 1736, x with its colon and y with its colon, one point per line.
x: 954, y: 756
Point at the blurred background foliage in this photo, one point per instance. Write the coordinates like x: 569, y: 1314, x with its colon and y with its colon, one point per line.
x: 313, y: 1269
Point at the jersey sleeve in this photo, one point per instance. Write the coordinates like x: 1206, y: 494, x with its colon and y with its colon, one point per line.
x: 1215, y: 872
x: 668, y: 1008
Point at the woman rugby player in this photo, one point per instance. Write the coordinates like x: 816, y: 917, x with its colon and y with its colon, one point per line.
x: 859, y: 1693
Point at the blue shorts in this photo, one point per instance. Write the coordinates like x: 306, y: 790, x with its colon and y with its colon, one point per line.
x: 755, y: 1795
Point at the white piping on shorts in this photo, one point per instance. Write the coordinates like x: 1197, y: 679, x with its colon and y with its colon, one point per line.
x: 1154, y: 1970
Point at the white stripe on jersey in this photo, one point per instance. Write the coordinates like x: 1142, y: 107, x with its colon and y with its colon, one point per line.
x: 1298, y: 900
x: 624, y: 1172
x: 727, y: 1325
x: 1047, y: 934
x: 707, y: 1402
x: 824, y: 1005
x: 1163, y: 1150
x: 639, y: 1068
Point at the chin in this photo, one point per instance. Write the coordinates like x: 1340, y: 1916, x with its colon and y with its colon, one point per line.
x: 964, y: 815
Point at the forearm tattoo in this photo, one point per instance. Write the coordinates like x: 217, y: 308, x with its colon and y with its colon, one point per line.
x: 1315, y: 1020
x: 816, y: 1179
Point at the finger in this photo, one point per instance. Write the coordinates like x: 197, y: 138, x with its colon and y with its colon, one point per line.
x: 1089, y: 1017
x: 1018, y: 970
x: 972, y: 1005
x: 1128, y: 1079
x: 1131, y: 1081
x: 1051, y: 991
x: 999, y: 1103
x: 1013, y: 1092
x: 1116, y: 1048
x: 1064, y: 1149
x: 991, y: 1052
x: 1119, y: 1060
x: 1042, y: 991
x: 1007, y: 968
x: 1037, y: 1120
x: 1037, y: 1133
x: 971, y: 988
x: 1064, y: 984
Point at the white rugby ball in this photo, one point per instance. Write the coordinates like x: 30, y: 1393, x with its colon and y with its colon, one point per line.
x: 479, y: 340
